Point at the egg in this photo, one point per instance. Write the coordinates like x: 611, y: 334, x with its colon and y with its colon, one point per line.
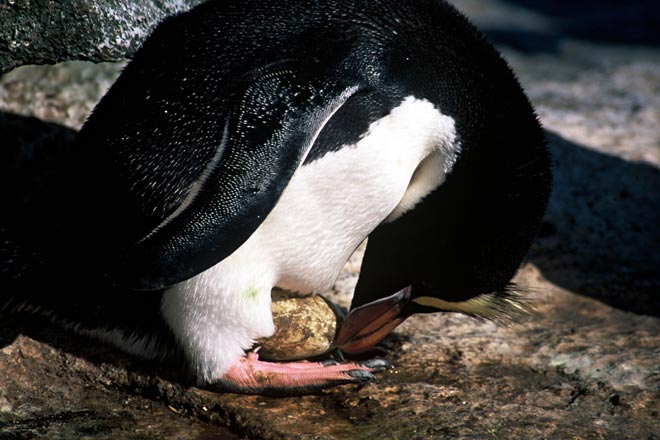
x: 305, y: 326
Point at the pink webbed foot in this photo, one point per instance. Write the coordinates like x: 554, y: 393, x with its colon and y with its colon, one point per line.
x: 250, y: 375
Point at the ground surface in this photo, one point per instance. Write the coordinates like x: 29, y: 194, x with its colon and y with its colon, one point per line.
x: 585, y: 365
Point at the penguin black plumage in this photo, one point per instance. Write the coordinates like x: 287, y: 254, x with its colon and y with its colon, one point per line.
x: 256, y: 144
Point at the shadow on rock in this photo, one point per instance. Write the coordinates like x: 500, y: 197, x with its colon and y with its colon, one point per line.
x: 601, y: 236
x: 33, y: 291
x: 635, y: 22
x: 28, y: 148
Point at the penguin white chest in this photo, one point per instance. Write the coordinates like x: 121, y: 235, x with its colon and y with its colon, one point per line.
x: 332, y: 204
x: 328, y: 208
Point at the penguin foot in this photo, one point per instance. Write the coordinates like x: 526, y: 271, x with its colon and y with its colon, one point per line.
x: 250, y: 375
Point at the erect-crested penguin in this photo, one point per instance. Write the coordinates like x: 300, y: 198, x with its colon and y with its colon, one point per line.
x: 255, y: 144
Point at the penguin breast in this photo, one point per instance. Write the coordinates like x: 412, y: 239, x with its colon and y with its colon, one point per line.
x: 332, y: 203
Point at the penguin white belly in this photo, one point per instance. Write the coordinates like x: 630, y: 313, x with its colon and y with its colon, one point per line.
x: 332, y: 204
x: 328, y: 208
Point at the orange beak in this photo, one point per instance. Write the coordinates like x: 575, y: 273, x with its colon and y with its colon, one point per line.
x: 366, y: 325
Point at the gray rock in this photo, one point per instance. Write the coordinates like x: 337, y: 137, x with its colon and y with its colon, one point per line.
x: 48, y: 32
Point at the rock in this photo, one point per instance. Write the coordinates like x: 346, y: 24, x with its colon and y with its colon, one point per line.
x: 48, y: 32
x: 49, y: 393
x: 585, y: 365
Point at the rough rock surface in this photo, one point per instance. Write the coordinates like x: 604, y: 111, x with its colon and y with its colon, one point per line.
x: 47, y: 32
x: 585, y: 365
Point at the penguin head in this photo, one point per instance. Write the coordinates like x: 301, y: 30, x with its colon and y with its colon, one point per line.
x: 459, y: 247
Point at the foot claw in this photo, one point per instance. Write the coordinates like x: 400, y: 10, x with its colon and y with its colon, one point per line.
x: 360, y: 375
x: 377, y: 365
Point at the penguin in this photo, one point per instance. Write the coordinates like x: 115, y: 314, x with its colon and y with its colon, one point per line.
x: 250, y: 145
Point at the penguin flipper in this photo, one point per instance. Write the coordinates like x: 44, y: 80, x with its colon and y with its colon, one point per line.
x: 268, y: 132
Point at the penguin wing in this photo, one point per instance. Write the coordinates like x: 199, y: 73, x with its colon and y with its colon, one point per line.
x: 268, y: 131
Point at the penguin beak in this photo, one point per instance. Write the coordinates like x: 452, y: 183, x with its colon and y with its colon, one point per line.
x: 366, y: 325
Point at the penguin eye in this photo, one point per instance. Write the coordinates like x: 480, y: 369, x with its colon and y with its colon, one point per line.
x: 425, y: 286
x: 422, y: 288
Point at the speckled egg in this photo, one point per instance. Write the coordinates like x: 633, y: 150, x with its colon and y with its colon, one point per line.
x: 305, y: 326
